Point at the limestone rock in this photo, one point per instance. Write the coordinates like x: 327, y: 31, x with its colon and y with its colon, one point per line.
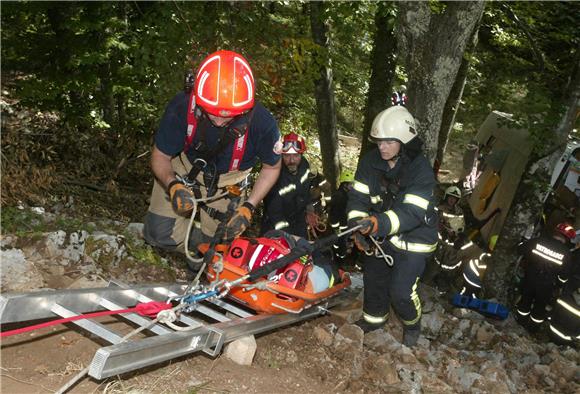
x: 349, y: 334
x: 18, y: 274
x: 431, y: 323
x: 135, y: 229
x: 241, y: 351
x: 381, y: 341
x: 430, y: 383
x: 385, y: 370
x: 324, y: 335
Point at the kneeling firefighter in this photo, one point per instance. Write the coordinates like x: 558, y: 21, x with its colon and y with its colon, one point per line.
x: 393, y: 199
x: 209, y: 139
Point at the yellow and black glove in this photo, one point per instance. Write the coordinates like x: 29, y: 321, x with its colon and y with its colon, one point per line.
x: 240, y: 221
x: 181, y: 197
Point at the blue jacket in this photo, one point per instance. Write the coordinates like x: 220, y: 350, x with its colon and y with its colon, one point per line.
x: 401, y: 198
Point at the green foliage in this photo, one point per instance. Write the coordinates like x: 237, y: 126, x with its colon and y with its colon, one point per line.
x: 352, y: 27
x: 106, y: 70
x: 21, y: 222
x: 522, y: 66
x: 143, y: 253
x: 25, y: 222
x: 437, y: 7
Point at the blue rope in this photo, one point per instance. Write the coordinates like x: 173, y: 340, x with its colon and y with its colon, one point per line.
x: 191, y: 299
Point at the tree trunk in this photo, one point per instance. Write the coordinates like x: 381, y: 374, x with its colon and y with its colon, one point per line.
x: 454, y: 99
x: 382, y: 70
x: 433, y: 43
x: 500, y: 273
x: 324, y: 94
x: 107, y: 99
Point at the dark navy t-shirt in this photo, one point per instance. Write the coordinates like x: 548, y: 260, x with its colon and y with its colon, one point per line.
x: 263, y: 133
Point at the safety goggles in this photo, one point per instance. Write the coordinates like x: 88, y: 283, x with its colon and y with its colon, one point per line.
x: 297, y: 146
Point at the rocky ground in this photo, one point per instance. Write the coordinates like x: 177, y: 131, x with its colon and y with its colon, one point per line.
x: 460, y: 350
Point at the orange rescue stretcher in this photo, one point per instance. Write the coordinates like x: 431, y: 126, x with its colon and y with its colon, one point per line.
x: 289, y: 289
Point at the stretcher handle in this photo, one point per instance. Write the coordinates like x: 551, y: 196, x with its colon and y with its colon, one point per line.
x: 295, y: 253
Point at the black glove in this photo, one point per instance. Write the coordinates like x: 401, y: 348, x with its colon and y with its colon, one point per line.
x: 181, y: 197
x: 240, y: 221
x: 361, y: 242
x: 303, y: 244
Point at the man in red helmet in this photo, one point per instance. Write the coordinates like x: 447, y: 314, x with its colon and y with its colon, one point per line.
x: 210, y: 138
x: 546, y: 261
x: 288, y: 206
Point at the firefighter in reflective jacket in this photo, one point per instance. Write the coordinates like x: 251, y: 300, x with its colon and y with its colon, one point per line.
x: 546, y: 260
x: 448, y: 256
x: 392, y: 199
x: 337, y: 214
x: 474, y: 260
x: 565, y: 319
x: 288, y: 206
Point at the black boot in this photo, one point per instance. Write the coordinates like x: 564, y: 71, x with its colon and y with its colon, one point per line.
x: 411, y: 335
x: 368, y: 327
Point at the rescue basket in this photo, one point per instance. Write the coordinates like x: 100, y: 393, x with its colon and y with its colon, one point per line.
x: 286, y: 290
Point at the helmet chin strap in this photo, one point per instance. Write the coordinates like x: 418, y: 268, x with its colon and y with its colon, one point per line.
x: 395, y: 158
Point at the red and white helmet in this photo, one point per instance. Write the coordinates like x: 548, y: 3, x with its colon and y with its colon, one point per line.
x: 566, y: 230
x: 293, y: 143
x: 224, y: 85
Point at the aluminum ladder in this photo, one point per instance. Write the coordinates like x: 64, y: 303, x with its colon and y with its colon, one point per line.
x: 212, y: 324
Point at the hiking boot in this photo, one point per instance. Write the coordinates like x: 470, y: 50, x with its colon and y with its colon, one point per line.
x: 411, y: 336
x: 368, y: 327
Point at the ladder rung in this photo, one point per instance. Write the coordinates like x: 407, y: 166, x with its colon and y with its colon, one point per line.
x: 231, y: 308
x: 92, y: 326
x: 135, y: 318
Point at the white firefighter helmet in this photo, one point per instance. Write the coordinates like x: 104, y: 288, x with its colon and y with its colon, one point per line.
x: 452, y: 191
x: 394, y: 123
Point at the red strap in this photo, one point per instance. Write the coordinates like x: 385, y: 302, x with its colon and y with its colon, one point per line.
x: 152, y: 308
x: 239, y: 146
x: 238, y: 153
x: 149, y: 309
x: 191, y: 122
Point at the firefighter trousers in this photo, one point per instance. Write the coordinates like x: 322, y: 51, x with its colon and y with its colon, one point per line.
x: 565, y: 322
x: 166, y: 229
x: 537, y: 292
x: 394, y: 286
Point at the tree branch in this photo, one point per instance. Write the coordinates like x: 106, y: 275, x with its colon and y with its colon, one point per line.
x: 183, y: 18
x: 537, y: 52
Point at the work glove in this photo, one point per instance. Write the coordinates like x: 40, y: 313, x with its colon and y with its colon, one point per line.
x: 240, y: 221
x: 181, y: 197
x: 370, y: 225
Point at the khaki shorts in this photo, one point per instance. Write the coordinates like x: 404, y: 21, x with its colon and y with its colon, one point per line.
x: 173, y: 235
